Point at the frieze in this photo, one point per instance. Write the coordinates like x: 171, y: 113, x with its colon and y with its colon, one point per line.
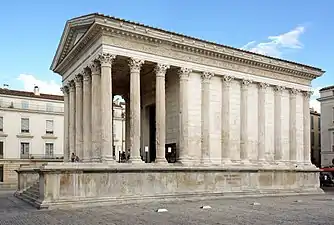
x: 133, y: 45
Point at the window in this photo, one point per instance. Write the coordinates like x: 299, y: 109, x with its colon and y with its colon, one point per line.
x: 25, y: 104
x: 1, y: 173
x: 319, y: 123
x: 25, y: 150
x: 49, y: 149
x: 312, y: 122
x: 49, y: 107
x: 319, y: 140
x: 312, y: 138
x: 332, y: 141
x: 1, y: 149
x: 1, y: 123
x: 24, y: 125
x: 49, y: 126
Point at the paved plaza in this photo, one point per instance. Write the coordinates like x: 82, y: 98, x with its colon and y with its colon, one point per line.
x: 304, y: 210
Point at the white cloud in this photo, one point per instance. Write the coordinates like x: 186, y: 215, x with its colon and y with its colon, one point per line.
x: 45, y: 87
x: 313, y: 100
x: 276, y: 45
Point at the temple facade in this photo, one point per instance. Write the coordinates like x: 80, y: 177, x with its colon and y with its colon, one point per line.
x: 225, y: 114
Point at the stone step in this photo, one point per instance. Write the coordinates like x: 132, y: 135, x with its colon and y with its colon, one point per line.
x: 28, y: 199
x: 32, y: 195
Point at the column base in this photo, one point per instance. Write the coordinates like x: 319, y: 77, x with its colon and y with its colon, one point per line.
x: 206, y: 161
x: 245, y: 162
x: 108, y: 159
x: 136, y: 160
x: 161, y: 161
x: 96, y: 160
x: 226, y: 161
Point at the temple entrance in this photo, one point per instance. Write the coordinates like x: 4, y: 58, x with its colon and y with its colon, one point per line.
x: 152, y: 149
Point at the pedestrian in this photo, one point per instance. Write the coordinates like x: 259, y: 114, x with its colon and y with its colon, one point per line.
x: 73, y: 157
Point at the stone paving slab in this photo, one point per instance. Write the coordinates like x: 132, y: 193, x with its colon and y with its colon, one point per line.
x: 304, y: 210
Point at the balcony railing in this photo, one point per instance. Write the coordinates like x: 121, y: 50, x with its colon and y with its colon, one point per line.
x: 43, y: 156
x: 34, y: 107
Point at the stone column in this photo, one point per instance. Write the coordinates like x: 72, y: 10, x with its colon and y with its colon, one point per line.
x: 307, y: 130
x: 262, y: 122
x: 293, y: 128
x: 278, y: 124
x: 96, y: 111
x: 225, y: 117
x: 160, y: 111
x: 205, y: 154
x: 87, y: 115
x: 127, y: 125
x: 135, y: 66
x: 66, y: 146
x: 106, y: 61
x: 183, y: 99
x: 78, y: 115
x: 72, y: 122
x: 244, y: 148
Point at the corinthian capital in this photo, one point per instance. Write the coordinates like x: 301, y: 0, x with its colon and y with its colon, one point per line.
x: 78, y: 80
x: 184, y: 72
x: 227, y: 78
x: 106, y: 59
x: 135, y: 64
x: 206, y: 76
x: 245, y: 82
x: 160, y: 69
x: 64, y: 89
x: 279, y: 89
x: 294, y: 92
x: 95, y: 68
x: 72, y: 86
x: 263, y: 85
x: 307, y: 94
x: 86, y: 73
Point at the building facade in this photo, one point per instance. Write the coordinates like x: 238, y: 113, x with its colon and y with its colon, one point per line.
x: 31, y: 130
x: 118, y: 128
x: 315, y: 138
x: 234, y: 121
x: 327, y: 125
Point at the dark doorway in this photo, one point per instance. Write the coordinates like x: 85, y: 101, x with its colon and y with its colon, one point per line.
x: 1, y: 173
x: 151, y: 114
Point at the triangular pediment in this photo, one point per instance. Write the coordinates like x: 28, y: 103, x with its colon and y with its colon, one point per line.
x: 74, y: 30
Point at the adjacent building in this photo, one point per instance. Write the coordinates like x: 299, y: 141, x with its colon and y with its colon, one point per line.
x: 118, y: 127
x: 31, y: 130
x: 327, y: 125
x: 315, y: 138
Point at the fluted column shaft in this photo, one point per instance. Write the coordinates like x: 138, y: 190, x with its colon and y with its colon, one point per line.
x: 96, y: 111
x: 293, y: 128
x: 160, y: 111
x: 183, y: 96
x: 307, y: 130
x: 72, y: 122
x: 87, y: 115
x: 106, y: 106
x: 205, y: 154
x: 225, y: 117
x: 135, y: 129
x: 79, y: 118
x: 127, y: 125
x: 244, y: 146
x: 278, y: 124
x: 66, y: 146
x: 262, y: 122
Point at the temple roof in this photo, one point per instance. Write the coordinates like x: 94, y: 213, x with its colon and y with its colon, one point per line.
x: 76, y: 27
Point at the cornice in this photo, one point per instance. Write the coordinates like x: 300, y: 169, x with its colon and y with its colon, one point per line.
x: 186, y: 45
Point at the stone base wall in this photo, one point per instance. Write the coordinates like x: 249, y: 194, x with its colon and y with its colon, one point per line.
x: 79, y: 184
x: 10, y: 177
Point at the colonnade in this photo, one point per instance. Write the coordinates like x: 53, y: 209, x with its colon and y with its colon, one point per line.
x: 88, y: 113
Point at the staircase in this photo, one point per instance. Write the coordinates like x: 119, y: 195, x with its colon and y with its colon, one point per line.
x: 30, y: 195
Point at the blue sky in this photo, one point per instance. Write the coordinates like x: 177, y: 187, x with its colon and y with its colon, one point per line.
x: 296, y: 30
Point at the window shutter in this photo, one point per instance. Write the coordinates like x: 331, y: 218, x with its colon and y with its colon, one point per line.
x: 24, y: 124
x: 1, y: 123
x: 49, y: 126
